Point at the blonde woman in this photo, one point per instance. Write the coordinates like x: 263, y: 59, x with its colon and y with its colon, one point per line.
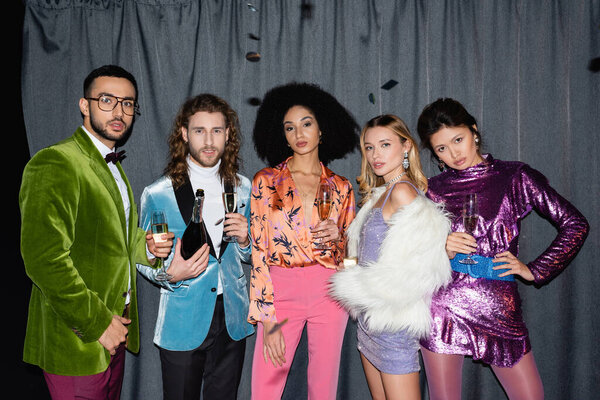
x: 399, y: 239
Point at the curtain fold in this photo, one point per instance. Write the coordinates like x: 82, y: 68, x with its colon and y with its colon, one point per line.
x: 520, y: 67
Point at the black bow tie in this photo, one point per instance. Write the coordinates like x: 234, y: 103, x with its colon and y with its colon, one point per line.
x: 114, y: 157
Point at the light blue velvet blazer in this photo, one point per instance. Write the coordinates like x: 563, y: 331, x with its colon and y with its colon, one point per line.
x: 186, y: 307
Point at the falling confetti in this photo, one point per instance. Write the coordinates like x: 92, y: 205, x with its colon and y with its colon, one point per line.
x: 306, y: 9
x: 389, y: 84
x: 252, y: 56
x: 594, y: 64
x: 252, y: 8
x: 253, y: 36
x: 371, y: 98
x: 254, y: 101
x: 277, y: 326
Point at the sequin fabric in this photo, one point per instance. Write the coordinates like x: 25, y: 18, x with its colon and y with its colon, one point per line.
x: 391, y: 353
x: 481, y: 317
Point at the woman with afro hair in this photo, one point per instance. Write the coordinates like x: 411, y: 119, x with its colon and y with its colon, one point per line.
x: 299, y: 129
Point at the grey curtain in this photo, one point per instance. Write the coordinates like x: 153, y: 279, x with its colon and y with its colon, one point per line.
x: 520, y: 66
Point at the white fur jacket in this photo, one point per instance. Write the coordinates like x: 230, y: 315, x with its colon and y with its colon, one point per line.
x: 395, y: 292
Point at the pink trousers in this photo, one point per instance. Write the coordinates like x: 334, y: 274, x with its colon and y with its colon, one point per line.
x: 301, y: 297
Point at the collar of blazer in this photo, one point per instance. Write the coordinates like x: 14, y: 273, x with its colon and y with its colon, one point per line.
x: 100, y: 168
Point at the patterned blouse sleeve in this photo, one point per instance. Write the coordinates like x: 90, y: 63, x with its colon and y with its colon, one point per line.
x: 533, y: 191
x: 261, y: 286
x: 346, y: 215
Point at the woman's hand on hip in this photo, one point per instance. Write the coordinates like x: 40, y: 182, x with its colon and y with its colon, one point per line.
x: 513, y: 266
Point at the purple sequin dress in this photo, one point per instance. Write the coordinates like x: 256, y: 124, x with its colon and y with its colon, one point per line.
x: 391, y: 353
x: 482, y: 317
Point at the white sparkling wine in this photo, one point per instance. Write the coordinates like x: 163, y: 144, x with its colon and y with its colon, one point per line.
x: 158, y: 230
x: 470, y: 223
x: 324, y: 208
x: 230, y: 202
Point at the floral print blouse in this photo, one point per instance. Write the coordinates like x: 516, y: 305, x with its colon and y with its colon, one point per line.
x: 280, y: 236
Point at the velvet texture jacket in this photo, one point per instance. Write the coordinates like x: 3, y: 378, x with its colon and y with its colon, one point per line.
x: 80, y: 255
x: 186, y: 308
x: 395, y: 292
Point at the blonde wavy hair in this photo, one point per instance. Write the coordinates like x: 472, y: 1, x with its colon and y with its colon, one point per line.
x: 367, y: 180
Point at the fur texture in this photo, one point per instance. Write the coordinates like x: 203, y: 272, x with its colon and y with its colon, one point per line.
x: 395, y: 292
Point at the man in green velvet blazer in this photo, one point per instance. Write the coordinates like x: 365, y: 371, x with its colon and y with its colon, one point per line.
x: 80, y: 243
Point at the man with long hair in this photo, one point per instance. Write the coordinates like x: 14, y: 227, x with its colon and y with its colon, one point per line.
x: 201, y: 325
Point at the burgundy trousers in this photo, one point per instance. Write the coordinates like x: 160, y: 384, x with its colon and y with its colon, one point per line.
x: 103, y: 386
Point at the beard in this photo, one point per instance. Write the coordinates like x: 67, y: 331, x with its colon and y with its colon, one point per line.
x: 204, y: 160
x: 101, y: 130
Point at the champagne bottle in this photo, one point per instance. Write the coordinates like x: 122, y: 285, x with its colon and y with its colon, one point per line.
x: 195, y: 234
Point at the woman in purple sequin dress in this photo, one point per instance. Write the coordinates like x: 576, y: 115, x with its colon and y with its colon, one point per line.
x: 479, y: 313
x: 399, y: 238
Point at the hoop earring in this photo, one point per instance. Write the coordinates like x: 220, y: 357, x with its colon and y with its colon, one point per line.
x: 405, y: 162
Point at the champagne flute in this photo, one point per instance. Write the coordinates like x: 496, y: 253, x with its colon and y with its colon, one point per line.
x: 324, y: 207
x: 230, y: 202
x: 159, y: 227
x: 470, y: 216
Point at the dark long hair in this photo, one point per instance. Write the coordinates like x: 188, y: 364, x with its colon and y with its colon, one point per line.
x: 177, y: 168
x: 444, y: 112
x: 338, y: 127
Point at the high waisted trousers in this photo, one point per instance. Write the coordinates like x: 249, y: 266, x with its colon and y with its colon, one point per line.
x: 301, y: 297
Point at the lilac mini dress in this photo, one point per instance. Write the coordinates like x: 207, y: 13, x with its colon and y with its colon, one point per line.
x: 391, y: 353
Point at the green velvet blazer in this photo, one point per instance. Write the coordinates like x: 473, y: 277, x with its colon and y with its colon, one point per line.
x: 79, y: 253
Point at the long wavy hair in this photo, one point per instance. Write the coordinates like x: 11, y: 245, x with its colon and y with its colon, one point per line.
x: 338, y: 127
x: 177, y: 168
x: 368, y: 180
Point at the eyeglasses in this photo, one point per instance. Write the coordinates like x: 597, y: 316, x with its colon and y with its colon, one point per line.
x: 108, y: 103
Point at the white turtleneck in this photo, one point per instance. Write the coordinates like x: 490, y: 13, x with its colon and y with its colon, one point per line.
x: 208, y: 179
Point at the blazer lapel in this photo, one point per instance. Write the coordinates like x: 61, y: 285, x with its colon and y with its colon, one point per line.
x: 98, y: 165
x: 223, y: 247
x: 185, y: 201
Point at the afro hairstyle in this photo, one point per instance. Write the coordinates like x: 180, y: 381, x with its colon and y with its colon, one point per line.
x: 340, y: 132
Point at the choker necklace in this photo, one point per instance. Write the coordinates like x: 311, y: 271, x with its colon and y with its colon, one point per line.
x: 388, y: 183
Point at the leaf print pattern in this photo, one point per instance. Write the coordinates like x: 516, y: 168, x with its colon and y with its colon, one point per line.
x: 280, y: 236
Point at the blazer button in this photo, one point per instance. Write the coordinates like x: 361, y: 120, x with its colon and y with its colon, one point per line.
x: 219, y: 261
x: 213, y: 289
